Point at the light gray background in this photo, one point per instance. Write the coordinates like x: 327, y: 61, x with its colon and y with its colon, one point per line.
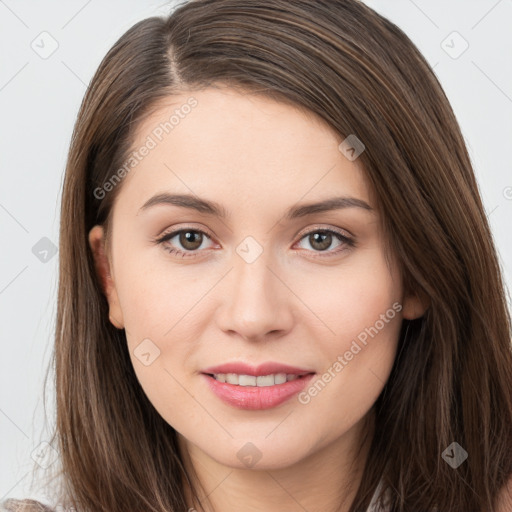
x: 39, y: 100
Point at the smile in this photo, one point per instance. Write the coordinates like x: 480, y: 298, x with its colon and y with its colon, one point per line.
x: 256, y: 393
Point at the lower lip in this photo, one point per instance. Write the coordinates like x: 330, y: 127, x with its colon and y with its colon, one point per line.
x: 257, y: 398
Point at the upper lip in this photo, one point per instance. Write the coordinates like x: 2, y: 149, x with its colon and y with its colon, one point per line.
x: 268, y: 368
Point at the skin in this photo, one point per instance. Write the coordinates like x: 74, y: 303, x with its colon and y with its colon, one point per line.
x: 295, y: 304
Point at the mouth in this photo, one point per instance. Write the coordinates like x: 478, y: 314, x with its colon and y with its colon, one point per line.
x: 256, y: 388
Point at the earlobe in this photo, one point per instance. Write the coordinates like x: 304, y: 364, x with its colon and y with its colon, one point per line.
x: 414, y: 306
x: 103, y: 271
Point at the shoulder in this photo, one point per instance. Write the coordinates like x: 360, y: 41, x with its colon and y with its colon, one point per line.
x: 12, y: 505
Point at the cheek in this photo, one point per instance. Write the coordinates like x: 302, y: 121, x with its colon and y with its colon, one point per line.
x: 353, y: 297
x: 160, y: 304
x: 157, y: 298
x: 160, y: 339
x: 361, y: 306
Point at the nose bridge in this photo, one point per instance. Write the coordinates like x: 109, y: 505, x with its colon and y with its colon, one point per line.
x: 256, y: 302
x: 252, y: 277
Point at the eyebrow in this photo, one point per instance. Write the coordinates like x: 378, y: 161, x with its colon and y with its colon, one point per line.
x: 217, y: 210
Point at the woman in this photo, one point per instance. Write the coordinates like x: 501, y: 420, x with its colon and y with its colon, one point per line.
x: 278, y: 286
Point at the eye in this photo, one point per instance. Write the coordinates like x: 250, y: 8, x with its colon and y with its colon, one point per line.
x: 190, y: 239
x: 321, y: 239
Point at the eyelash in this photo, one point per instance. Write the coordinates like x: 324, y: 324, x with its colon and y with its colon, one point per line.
x: 187, y: 254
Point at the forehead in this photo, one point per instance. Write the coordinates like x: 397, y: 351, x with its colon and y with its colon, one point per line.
x: 242, y: 146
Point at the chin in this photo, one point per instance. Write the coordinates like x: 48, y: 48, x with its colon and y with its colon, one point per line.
x: 258, y: 453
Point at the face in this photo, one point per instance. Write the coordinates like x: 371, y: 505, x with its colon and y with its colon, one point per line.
x: 295, y: 307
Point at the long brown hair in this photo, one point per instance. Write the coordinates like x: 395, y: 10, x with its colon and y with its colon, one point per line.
x: 452, y: 377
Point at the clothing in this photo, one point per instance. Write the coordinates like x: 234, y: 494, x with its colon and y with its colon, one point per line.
x: 12, y: 505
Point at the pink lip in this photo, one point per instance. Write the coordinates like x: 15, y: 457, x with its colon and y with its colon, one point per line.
x: 263, y: 369
x: 254, y: 397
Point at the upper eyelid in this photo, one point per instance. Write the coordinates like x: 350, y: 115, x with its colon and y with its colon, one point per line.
x: 314, y: 228
x: 175, y: 232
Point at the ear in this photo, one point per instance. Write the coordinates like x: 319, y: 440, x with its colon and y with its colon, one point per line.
x: 415, y: 305
x: 103, y: 270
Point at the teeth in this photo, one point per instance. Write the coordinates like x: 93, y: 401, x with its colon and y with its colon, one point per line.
x: 266, y: 380
x: 281, y: 378
x: 231, y: 378
x: 246, y: 380
x: 251, y: 380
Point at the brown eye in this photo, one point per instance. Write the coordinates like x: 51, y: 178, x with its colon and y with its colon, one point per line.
x: 321, y: 240
x: 184, y: 242
x: 190, y: 240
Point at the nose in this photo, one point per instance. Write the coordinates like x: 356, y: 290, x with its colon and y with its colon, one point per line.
x: 258, y: 305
